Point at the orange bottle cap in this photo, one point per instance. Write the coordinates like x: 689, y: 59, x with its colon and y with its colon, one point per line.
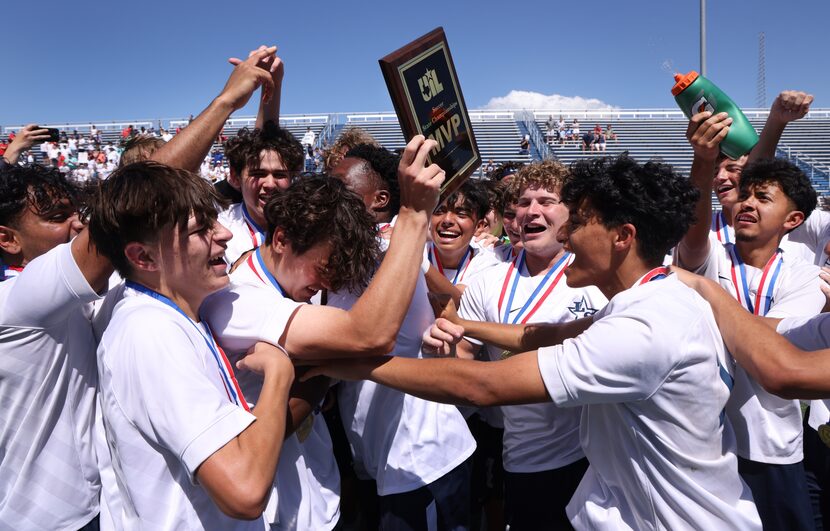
x: 682, y: 81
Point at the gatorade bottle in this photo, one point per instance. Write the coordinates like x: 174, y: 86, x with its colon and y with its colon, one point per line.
x: 694, y: 93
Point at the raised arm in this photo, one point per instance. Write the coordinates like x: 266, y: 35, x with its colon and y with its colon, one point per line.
x: 269, y: 108
x: 370, y: 327
x: 23, y: 140
x: 704, y: 133
x: 789, y: 106
x: 188, y: 149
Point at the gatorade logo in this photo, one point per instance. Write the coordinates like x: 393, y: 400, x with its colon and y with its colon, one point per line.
x: 702, y: 104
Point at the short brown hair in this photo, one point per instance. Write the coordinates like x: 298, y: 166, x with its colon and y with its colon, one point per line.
x: 547, y: 174
x: 348, y: 139
x: 140, y: 200
x: 140, y: 148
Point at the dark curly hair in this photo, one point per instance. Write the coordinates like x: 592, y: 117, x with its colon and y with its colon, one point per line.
x: 652, y: 196
x: 503, y: 170
x: 320, y: 209
x: 39, y: 188
x: 244, y: 149
x: 384, y: 164
x: 789, y: 177
x: 476, y: 198
x: 141, y: 199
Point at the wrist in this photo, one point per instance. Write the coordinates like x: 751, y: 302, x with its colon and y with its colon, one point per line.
x: 222, y: 104
x: 412, y: 217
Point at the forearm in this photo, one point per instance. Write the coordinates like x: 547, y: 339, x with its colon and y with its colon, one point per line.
x: 95, y: 267
x: 694, y: 246
x: 768, y: 140
x: 524, y: 337
x: 12, y: 154
x: 269, y: 110
x: 189, y: 147
x: 303, y: 398
x: 437, y: 283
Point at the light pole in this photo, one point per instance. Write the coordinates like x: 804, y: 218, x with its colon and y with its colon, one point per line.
x: 703, y: 38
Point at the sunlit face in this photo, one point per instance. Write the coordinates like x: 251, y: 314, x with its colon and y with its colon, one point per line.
x: 350, y: 170
x: 592, y: 245
x: 258, y: 184
x: 192, y: 261
x: 303, y: 275
x: 452, y: 227
x: 38, y: 233
x: 727, y: 180
x: 540, y: 214
x: 511, y: 226
x: 760, y: 213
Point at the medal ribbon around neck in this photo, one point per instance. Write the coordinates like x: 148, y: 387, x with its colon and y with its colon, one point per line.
x: 766, y: 287
x: 232, y: 388
x: 256, y: 232
x: 553, y: 275
x: 7, y: 271
x: 460, y: 271
x: 655, y: 274
x: 258, y: 265
x: 721, y: 228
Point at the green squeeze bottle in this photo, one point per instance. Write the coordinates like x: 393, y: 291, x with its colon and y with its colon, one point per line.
x: 694, y: 93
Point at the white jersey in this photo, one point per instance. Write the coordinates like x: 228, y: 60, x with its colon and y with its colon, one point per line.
x: 168, y: 404
x: 474, y: 261
x: 651, y: 375
x: 48, y: 381
x: 768, y: 428
x: 400, y: 441
x: 247, y: 234
x: 813, y: 235
x: 796, y: 243
x: 307, y: 485
x: 537, y: 437
x: 810, y: 333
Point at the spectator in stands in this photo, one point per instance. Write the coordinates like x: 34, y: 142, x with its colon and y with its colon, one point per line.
x: 551, y: 123
x: 94, y: 134
x: 26, y: 138
x: 165, y: 135
x: 588, y: 140
x: 597, y: 129
x: 308, y: 138
x: 610, y: 134
x: 348, y: 139
x: 599, y: 141
x: 575, y: 130
x: 524, y: 145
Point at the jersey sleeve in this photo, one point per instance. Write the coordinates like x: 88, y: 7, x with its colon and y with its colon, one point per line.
x: 607, y: 363
x: 167, y: 390
x: 244, y: 314
x: 47, y: 290
x: 807, y: 333
x: 801, y: 295
x: 473, y: 302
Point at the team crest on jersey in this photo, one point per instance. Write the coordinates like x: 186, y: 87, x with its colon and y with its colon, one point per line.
x: 581, y: 308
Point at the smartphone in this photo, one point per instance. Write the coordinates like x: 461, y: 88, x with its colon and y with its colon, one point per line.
x: 54, y: 134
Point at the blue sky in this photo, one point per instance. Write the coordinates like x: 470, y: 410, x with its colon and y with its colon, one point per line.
x: 88, y: 61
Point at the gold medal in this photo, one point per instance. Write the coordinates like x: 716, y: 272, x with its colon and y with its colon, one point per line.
x: 824, y: 434
x: 305, y: 428
x: 506, y: 354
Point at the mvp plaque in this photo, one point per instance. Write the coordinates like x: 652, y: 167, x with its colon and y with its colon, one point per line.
x: 427, y: 97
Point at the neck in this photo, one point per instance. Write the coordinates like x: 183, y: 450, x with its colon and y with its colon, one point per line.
x: 624, y: 275
x: 270, y: 259
x: 13, y: 260
x: 756, y: 255
x: 258, y: 218
x: 727, y: 214
x: 187, y: 304
x: 538, y: 265
x: 450, y: 259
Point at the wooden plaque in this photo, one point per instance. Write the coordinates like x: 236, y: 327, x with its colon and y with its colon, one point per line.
x: 427, y: 97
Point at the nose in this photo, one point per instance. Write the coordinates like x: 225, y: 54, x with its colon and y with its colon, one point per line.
x: 221, y: 234
x: 562, y: 235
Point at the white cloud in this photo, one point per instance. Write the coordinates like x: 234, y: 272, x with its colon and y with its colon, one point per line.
x: 523, y: 99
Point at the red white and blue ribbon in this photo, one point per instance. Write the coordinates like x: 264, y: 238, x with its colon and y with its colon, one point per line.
x: 7, y: 271
x: 460, y: 271
x: 232, y: 388
x: 766, y: 287
x: 721, y: 228
x: 256, y: 232
x: 548, y: 282
x: 655, y: 274
x: 256, y: 264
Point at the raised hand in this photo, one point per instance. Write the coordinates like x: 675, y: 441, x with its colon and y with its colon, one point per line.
x: 789, y: 106
x: 705, y: 133
x: 249, y: 75
x: 420, y: 184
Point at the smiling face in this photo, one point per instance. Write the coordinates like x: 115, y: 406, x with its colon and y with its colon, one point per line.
x: 592, y: 244
x: 34, y: 234
x: 257, y: 184
x: 452, y: 227
x: 540, y: 214
x: 762, y: 212
x: 727, y: 180
x: 511, y: 226
x: 301, y: 275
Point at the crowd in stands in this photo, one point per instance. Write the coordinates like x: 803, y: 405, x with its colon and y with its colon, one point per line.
x: 275, y: 347
x: 559, y: 132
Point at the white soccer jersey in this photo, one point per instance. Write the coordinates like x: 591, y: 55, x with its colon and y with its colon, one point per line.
x: 652, y: 377
x: 307, y: 484
x: 799, y: 242
x: 768, y: 428
x: 810, y: 333
x: 472, y: 264
x: 401, y: 441
x: 246, y: 233
x: 48, y: 381
x: 537, y: 437
x: 812, y: 236
x: 167, y: 406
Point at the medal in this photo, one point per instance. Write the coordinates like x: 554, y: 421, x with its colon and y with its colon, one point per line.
x: 507, y: 354
x: 824, y: 434
x: 435, y: 260
x: 256, y: 233
x: 304, y: 430
x: 766, y: 287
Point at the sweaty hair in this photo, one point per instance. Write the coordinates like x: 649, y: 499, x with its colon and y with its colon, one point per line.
x: 503, y: 170
x: 651, y: 196
x: 36, y: 187
x: 139, y: 148
x: 548, y: 174
x: 245, y: 149
x: 351, y: 137
x: 142, y: 199
x: 789, y: 177
x: 320, y: 209
x: 384, y: 164
x: 497, y: 194
x: 474, y: 197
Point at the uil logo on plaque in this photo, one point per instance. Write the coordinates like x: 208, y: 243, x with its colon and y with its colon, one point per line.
x: 430, y: 86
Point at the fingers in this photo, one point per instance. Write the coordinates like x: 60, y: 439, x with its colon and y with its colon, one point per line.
x: 695, y: 121
x: 411, y: 150
x: 260, y: 54
x: 423, y: 152
x: 448, y: 331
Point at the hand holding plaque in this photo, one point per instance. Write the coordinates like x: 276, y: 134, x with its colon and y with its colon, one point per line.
x: 427, y: 97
